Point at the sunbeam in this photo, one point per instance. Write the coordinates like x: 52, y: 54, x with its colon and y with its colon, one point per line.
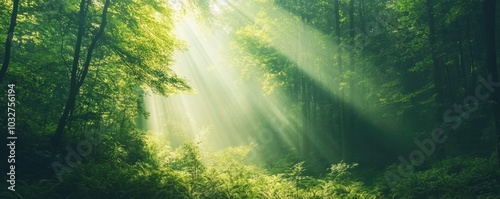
x: 237, y: 111
x: 196, y: 99
x: 240, y: 111
x: 311, y: 50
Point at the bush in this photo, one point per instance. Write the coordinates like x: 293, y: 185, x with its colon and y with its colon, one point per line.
x: 122, y: 181
x: 464, y: 177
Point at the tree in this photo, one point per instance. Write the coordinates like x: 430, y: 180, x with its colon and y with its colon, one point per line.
x: 489, y: 28
x: 78, y: 74
x: 352, y: 80
x: 341, y: 104
x: 112, y: 60
x: 436, y: 65
x: 8, y: 41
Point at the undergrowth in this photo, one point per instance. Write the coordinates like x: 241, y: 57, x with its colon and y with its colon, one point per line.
x: 155, y: 170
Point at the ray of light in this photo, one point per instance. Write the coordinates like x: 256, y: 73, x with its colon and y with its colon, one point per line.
x: 313, y: 52
x: 237, y: 112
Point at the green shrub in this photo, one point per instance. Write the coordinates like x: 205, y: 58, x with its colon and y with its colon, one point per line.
x: 122, y: 181
x: 463, y: 177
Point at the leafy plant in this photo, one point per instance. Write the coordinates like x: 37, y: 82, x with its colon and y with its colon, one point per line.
x: 467, y: 177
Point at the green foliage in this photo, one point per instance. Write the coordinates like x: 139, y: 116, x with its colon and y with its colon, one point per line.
x: 187, y: 161
x: 354, y: 190
x: 467, y: 177
x: 284, y: 44
x: 339, y: 183
x: 340, y: 172
x: 296, y: 176
x: 109, y: 180
x: 224, y: 174
x: 185, y: 175
x: 140, y: 45
x: 123, y: 181
x: 258, y: 53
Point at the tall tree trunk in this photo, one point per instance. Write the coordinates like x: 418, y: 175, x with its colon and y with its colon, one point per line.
x: 490, y: 25
x: 461, y: 80
x: 352, y: 88
x: 70, y: 103
x: 302, y: 93
x: 341, y: 71
x: 351, y: 53
x: 361, y: 12
x: 437, y: 70
x: 8, y: 41
x: 362, y: 21
x: 447, y: 69
x: 76, y: 82
x: 305, y: 119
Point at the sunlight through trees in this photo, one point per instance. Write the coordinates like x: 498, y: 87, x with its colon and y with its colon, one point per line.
x: 250, y: 99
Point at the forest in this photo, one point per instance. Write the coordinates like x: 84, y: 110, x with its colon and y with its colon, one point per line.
x: 299, y: 99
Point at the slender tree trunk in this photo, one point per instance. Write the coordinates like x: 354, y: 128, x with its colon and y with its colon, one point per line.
x: 341, y: 71
x: 305, y: 119
x: 351, y: 44
x: 76, y: 82
x: 490, y: 25
x: 8, y: 41
x: 70, y: 103
x: 303, y: 93
x: 447, y: 74
x: 352, y: 81
x: 437, y: 70
x: 461, y: 61
x: 362, y: 15
x: 362, y: 20
x: 461, y: 76
x: 470, y: 69
x: 93, y: 44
